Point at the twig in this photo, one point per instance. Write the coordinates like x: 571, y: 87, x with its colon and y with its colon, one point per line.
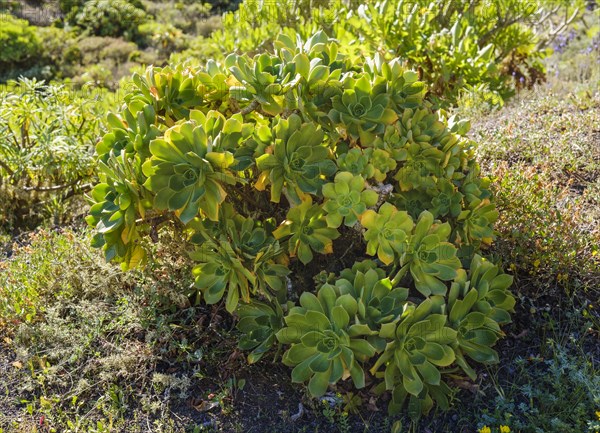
x: 157, y: 219
x: 82, y: 189
x: 49, y: 188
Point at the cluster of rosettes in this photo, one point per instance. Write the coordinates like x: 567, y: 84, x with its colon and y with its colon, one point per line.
x: 271, y: 159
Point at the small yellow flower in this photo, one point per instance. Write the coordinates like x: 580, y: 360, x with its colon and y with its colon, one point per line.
x: 504, y: 429
x: 485, y: 429
x: 598, y: 414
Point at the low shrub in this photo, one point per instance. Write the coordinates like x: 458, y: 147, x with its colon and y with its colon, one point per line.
x: 555, y: 392
x: 47, y: 139
x: 98, y: 49
x: 109, y: 18
x: 20, y: 45
x: 493, y: 48
x: 166, y: 38
x: 268, y: 165
x: 185, y: 16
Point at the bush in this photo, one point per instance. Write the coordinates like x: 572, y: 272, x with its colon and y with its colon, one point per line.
x: 109, y: 18
x: 185, y: 16
x: 458, y: 45
x: 97, y: 49
x: 46, y: 148
x: 353, y: 158
x: 57, y: 55
x: 101, y: 61
x: 556, y: 392
x: 492, y: 47
x: 20, y: 45
x: 164, y: 37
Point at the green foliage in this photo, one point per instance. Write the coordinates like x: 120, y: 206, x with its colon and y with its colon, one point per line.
x: 547, y: 190
x: 362, y: 109
x: 239, y: 257
x: 20, y: 44
x: 386, y: 231
x: 555, y: 393
x: 308, y: 231
x: 325, y: 343
x: 483, y: 50
x: 186, y: 173
x: 299, y: 160
x: 165, y: 37
x: 378, y: 301
x: 258, y: 323
x: 420, y: 344
x: 334, y: 138
x: 478, y: 304
x: 428, y: 256
x: 109, y: 18
x: 347, y: 199
x: 47, y: 136
x: 47, y: 267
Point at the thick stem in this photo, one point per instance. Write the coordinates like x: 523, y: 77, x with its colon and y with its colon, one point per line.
x: 250, y: 107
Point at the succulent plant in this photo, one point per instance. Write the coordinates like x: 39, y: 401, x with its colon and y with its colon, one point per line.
x: 263, y: 80
x: 344, y: 140
x: 447, y: 200
x: 382, y: 161
x: 186, y: 173
x: 393, y: 143
x: 475, y: 222
x: 420, y: 343
x: 173, y: 92
x: 478, y: 306
x: 325, y: 343
x: 259, y: 322
x: 298, y: 162
x: 346, y: 199
x: 421, y: 404
x: 132, y: 135
x: 420, y: 126
x: 493, y: 297
x: 422, y: 166
x: 386, y: 231
x: 115, y: 204
x: 357, y: 162
x: 362, y: 109
x: 404, y: 87
x: 307, y: 229
x: 414, y: 202
x: 428, y: 256
x: 378, y: 302
x: 238, y: 257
